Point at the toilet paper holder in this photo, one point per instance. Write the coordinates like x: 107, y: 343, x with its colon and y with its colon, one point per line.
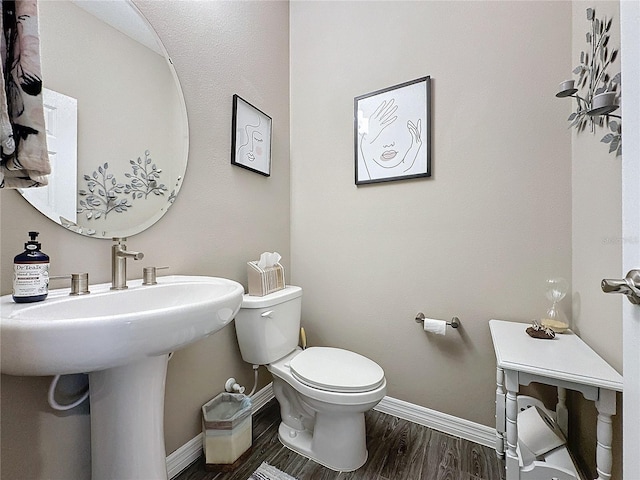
x: 454, y: 323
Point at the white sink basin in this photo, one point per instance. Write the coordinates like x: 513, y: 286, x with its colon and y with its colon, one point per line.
x: 108, y: 328
x: 122, y: 340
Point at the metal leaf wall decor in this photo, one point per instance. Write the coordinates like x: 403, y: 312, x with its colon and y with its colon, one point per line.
x: 594, y: 82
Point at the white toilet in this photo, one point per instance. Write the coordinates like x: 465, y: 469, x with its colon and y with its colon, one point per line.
x: 323, y: 392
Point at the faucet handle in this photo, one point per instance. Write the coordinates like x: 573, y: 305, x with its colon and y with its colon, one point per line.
x: 149, y: 275
x: 79, y: 282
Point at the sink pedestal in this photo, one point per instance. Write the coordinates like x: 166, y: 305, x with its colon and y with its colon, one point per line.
x: 122, y: 339
x: 127, y: 418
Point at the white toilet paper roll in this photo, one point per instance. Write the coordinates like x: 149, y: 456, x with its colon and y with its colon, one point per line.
x: 431, y: 325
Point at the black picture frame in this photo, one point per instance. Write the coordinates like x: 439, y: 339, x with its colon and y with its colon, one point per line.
x: 392, y: 133
x: 250, y: 137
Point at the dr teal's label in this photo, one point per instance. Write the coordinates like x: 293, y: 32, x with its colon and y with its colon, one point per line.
x: 30, y: 279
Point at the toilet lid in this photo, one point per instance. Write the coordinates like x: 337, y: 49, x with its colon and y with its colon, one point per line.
x: 336, y: 370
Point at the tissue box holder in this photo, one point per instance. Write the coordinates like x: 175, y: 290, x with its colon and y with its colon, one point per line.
x: 264, y: 281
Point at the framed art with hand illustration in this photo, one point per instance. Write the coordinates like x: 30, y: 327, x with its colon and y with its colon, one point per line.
x: 392, y: 133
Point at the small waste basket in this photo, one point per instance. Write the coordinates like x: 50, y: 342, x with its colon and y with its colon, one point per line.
x: 226, y: 429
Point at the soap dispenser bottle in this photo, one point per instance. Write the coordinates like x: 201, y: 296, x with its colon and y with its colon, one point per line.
x: 31, y: 273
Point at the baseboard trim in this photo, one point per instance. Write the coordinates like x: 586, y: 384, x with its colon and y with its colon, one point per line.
x: 192, y: 450
x: 261, y: 398
x: 455, y: 426
x: 184, y: 456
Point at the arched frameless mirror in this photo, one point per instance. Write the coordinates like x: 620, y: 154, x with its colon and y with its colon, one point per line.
x: 116, y: 119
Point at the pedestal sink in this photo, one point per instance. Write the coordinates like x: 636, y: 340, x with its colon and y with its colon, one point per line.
x: 122, y: 340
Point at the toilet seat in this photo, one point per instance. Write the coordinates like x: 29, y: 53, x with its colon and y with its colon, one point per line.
x: 336, y: 370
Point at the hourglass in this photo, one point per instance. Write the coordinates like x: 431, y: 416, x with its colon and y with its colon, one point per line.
x: 555, y: 319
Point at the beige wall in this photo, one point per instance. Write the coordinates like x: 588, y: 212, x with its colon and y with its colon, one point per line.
x: 223, y: 217
x: 476, y: 240
x: 597, y: 217
x: 497, y: 218
x: 596, y: 244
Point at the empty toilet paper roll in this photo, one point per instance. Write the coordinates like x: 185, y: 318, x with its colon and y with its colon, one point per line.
x: 431, y: 325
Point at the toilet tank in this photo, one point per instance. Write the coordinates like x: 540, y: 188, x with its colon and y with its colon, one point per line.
x: 268, y: 327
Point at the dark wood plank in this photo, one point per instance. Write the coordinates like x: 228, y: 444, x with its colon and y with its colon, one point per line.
x: 266, y: 419
x: 442, y: 457
x: 287, y: 461
x: 398, y: 450
x: 478, y: 461
x: 407, y: 448
x: 196, y: 471
x: 314, y: 471
x: 380, y: 429
x: 267, y: 448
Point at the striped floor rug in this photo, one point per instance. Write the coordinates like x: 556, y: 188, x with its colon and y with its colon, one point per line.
x: 268, y: 472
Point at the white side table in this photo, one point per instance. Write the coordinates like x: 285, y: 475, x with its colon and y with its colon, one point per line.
x: 565, y: 362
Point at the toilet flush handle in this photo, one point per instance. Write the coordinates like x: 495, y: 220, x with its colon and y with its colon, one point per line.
x: 266, y: 314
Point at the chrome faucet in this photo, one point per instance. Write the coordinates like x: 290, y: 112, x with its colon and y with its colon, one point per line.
x: 119, y: 255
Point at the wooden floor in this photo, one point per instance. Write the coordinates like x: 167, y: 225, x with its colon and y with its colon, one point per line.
x: 398, y: 450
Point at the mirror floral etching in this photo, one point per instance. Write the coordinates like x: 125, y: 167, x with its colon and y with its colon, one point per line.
x: 106, y: 194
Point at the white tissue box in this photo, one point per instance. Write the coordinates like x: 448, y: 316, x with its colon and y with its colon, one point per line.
x: 263, y: 281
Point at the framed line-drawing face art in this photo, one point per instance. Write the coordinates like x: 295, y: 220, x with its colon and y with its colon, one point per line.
x: 392, y: 133
x: 250, y: 137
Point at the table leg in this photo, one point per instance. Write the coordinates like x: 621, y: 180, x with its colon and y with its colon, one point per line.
x: 512, y: 463
x: 500, y: 412
x: 562, y: 413
x: 606, y: 405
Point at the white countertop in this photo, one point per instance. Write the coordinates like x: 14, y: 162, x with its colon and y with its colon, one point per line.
x: 566, y: 357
